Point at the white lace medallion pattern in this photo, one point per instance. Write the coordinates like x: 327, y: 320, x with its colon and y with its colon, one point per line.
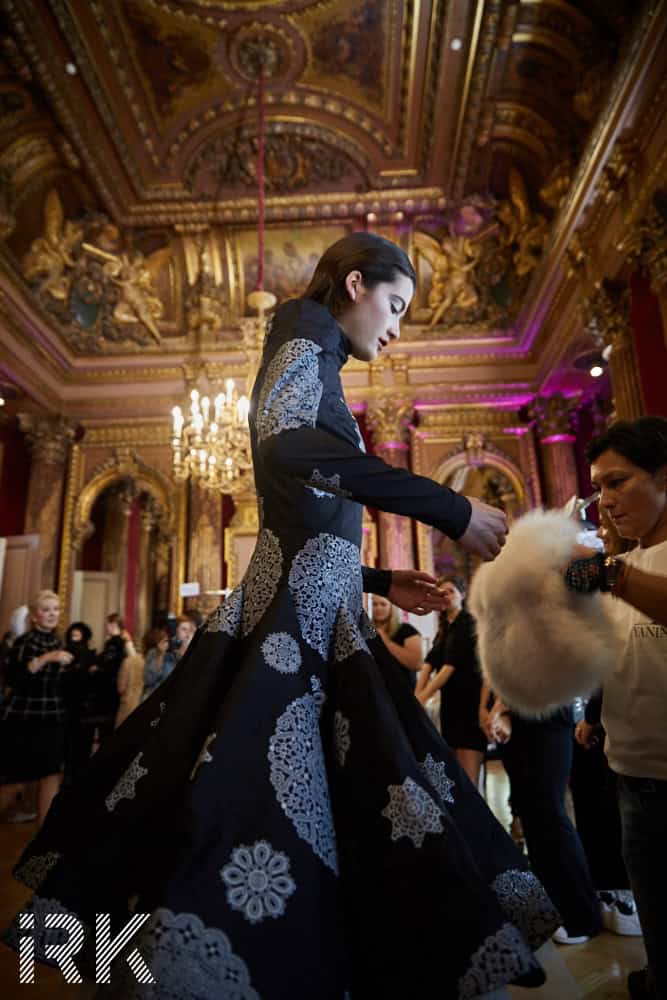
x: 298, y: 774
x: 227, y: 617
x: 348, y: 635
x: 500, y: 959
x: 282, y: 652
x: 260, y: 582
x: 324, y: 575
x: 126, y: 788
x: 33, y: 871
x: 412, y: 812
x: 436, y: 773
x: 342, y: 740
x: 524, y: 901
x: 258, y: 881
x: 326, y: 487
x: 188, y: 960
x: 292, y: 389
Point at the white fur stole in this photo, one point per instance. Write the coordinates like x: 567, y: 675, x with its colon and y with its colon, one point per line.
x: 540, y: 643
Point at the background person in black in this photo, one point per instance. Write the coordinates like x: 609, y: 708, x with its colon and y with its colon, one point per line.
x: 401, y: 638
x: 33, y: 717
x: 118, y: 645
x: 453, y: 662
x: 537, y: 755
x: 80, y: 698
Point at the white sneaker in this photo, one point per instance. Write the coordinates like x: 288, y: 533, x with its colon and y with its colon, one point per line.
x: 619, y: 912
x: 625, y: 919
x: 561, y: 936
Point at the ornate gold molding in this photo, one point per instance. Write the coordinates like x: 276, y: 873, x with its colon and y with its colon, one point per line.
x: 49, y: 437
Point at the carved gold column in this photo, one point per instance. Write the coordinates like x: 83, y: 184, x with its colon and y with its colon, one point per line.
x: 607, y: 317
x: 49, y: 439
x: 648, y: 244
x: 205, y: 555
x: 555, y: 416
x: 388, y: 420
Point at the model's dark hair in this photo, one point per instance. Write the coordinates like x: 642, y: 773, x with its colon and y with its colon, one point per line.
x: 643, y: 442
x: 376, y: 258
x: 85, y: 630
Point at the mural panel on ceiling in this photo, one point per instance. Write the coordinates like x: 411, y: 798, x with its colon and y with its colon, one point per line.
x: 290, y: 258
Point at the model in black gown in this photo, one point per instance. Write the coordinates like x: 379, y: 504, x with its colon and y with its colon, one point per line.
x: 282, y: 806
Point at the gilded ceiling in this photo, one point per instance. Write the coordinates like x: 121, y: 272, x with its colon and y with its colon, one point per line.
x: 128, y: 156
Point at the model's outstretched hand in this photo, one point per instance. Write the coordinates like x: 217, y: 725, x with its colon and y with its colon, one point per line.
x: 486, y: 531
x: 414, y: 591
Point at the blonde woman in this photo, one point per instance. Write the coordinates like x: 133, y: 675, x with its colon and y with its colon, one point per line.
x: 401, y: 639
x: 33, y: 719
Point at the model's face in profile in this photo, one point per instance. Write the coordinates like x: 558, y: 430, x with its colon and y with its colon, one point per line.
x: 372, y: 319
x: 634, y: 499
x: 46, y: 614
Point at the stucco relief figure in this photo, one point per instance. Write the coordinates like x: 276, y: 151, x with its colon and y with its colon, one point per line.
x: 134, y: 275
x: 50, y: 255
x: 525, y: 232
x: 453, y: 260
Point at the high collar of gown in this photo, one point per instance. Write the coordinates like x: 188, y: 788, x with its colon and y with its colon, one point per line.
x: 306, y: 318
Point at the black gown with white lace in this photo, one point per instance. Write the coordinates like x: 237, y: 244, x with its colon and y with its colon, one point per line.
x: 282, y: 806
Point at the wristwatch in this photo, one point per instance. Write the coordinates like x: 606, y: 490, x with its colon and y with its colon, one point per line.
x: 611, y: 579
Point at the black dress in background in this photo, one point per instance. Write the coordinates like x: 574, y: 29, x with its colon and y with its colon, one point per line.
x: 404, y: 631
x: 282, y: 805
x: 459, y: 697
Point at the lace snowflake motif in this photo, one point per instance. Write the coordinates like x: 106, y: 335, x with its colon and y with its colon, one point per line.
x: 348, y: 636
x: 204, y: 756
x: 500, y: 959
x: 436, y: 774
x: 260, y: 582
x: 412, y: 812
x: 329, y: 486
x: 258, y: 881
x: 292, y: 389
x: 523, y: 899
x: 156, y: 722
x: 34, y: 871
x: 188, y: 961
x: 342, y: 740
x: 282, y: 652
x: 126, y: 788
x: 227, y: 616
x: 298, y: 774
x: 325, y: 575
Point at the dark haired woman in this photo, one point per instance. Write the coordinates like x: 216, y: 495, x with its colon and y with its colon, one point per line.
x: 452, y: 668
x: 629, y: 467
x: 281, y: 806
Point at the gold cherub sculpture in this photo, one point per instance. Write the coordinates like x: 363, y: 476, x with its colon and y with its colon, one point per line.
x: 134, y: 275
x: 50, y: 255
x: 452, y: 259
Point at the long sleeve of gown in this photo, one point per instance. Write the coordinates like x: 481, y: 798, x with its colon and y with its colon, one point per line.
x: 314, y: 455
x: 305, y: 429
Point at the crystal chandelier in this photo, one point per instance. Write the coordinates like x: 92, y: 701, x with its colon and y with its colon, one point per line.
x: 211, y: 444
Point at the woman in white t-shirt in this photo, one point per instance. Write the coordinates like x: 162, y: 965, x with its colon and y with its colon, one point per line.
x: 629, y: 467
